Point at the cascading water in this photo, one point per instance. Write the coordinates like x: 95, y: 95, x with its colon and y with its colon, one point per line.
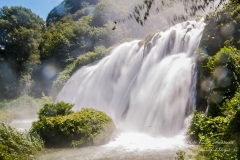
x: 144, y: 88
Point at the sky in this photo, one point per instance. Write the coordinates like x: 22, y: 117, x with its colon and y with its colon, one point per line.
x: 39, y: 7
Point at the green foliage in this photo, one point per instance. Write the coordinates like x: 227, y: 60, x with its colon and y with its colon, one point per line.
x: 82, y: 60
x: 213, y: 137
x: 225, y: 75
x: 16, y: 145
x: 72, y: 31
x: 181, y: 155
x: 52, y: 110
x: 228, y: 58
x: 221, y: 37
x: 67, y: 38
x: 20, y: 35
x: 221, y: 26
x: 218, y: 137
x: 217, y: 133
x: 231, y: 109
x: 87, y: 127
x: 205, y: 126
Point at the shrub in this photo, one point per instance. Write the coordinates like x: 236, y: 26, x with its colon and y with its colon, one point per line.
x: 53, y: 110
x: 16, y: 145
x: 225, y: 70
x: 82, y: 60
x: 214, y: 137
x: 225, y: 19
x: 222, y: 73
x: 219, y: 33
x: 218, y: 87
x: 86, y: 127
x: 180, y: 155
x: 205, y: 126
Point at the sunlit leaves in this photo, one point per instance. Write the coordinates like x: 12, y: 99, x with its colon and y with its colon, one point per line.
x: 53, y: 110
x: 20, y: 35
x: 225, y: 71
x: 75, y: 129
x: 67, y: 39
x: 16, y: 145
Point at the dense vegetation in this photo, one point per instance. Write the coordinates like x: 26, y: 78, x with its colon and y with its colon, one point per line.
x: 33, y: 53
x: 20, y: 36
x: 16, y: 145
x: 82, y: 60
x: 37, y: 57
x: 58, y: 126
x: 217, y: 130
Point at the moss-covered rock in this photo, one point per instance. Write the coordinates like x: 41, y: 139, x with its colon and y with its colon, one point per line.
x: 86, y: 127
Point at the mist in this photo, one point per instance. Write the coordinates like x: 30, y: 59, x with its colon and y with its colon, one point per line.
x: 162, y: 15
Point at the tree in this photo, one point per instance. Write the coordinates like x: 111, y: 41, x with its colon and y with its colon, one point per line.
x: 67, y: 39
x: 20, y: 35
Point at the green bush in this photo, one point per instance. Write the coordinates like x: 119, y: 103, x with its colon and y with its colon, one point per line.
x: 208, y: 127
x: 86, y: 127
x: 225, y: 71
x: 218, y: 22
x: 220, y: 32
x: 82, y: 60
x: 180, y: 155
x: 217, y: 133
x: 216, y: 137
x: 53, y: 110
x: 211, y: 136
x: 222, y: 71
x: 16, y: 145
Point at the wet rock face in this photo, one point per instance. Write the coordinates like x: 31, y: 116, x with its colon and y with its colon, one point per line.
x: 171, y: 41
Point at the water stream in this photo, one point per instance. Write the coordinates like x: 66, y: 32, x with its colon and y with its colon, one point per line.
x: 148, y: 90
x: 144, y: 89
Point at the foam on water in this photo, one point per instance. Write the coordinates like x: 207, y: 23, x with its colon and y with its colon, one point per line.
x: 139, y: 141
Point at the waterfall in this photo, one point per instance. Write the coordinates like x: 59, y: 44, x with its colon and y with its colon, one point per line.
x: 145, y: 88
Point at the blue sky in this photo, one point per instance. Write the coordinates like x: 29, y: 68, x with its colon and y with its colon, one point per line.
x: 39, y: 7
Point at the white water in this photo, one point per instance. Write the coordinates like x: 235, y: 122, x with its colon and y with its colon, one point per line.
x: 149, y: 90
